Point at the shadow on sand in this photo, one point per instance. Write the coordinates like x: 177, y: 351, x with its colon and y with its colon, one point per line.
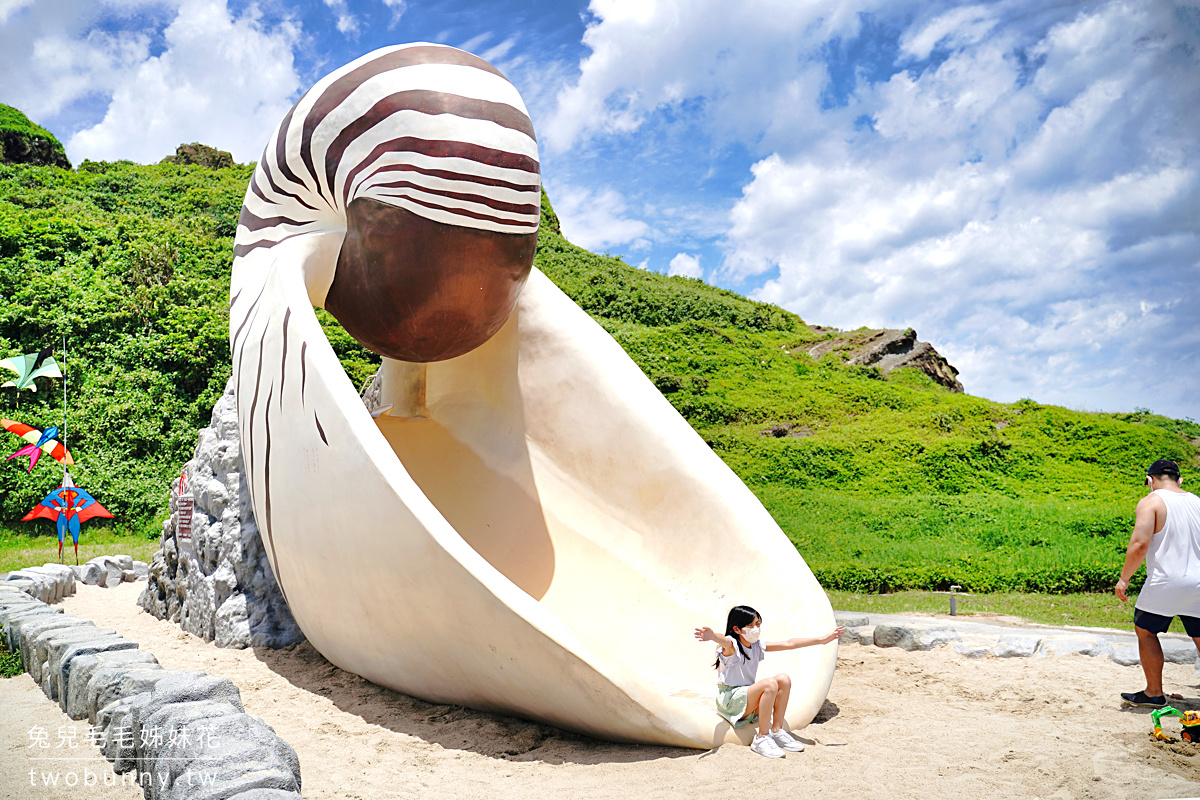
x: 452, y: 727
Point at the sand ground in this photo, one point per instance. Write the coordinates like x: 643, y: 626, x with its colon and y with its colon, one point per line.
x: 896, y: 725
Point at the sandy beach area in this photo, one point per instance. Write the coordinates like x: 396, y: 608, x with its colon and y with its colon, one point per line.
x: 896, y: 725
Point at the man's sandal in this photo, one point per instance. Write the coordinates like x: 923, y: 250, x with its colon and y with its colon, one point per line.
x: 1143, y: 699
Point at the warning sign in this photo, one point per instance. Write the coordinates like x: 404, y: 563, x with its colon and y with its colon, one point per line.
x: 183, y: 528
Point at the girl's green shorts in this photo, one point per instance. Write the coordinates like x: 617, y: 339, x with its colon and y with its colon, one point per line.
x: 731, y: 705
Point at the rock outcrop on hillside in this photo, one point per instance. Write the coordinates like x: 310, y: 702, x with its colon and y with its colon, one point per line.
x: 887, y: 350
x: 201, y: 155
x: 22, y: 142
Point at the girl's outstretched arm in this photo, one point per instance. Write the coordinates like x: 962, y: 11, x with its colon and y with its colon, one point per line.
x: 794, y: 644
x: 707, y: 634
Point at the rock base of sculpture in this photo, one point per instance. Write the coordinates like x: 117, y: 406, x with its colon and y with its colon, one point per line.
x: 211, y: 574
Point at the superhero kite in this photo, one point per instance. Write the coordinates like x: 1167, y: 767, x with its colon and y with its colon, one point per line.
x: 39, y: 442
x: 68, y: 506
x: 31, y: 366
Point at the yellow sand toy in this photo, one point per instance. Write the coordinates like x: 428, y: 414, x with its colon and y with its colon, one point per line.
x: 1189, y: 719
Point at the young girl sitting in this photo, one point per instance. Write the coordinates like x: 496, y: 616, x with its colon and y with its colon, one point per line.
x: 741, y: 700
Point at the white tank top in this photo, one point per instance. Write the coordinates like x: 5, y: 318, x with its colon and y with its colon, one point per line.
x: 1173, y: 560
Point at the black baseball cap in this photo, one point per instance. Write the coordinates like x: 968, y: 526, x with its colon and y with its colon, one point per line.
x: 1164, y: 467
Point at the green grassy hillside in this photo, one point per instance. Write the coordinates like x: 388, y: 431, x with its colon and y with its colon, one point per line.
x: 24, y: 142
x: 881, y: 483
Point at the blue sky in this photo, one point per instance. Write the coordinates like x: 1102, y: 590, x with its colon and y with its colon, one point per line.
x: 1017, y: 180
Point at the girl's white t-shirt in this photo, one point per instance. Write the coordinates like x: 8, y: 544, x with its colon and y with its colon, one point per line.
x: 737, y: 670
x: 1173, y: 560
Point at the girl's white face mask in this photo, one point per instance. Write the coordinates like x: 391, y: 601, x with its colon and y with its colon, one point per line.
x: 751, y: 634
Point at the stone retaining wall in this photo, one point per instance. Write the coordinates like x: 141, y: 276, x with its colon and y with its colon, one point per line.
x: 858, y: 630
x: 184, y: 734
x: 48, y: 583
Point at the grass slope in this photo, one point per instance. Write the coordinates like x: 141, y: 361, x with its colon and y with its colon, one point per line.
x: 882, y: 484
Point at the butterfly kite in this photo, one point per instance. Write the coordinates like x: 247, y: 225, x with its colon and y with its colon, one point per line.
x: 68, y: 506
x: 30, y: 366
x: 39, y: 442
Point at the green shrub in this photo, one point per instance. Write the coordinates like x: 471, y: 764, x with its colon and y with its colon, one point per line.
x: 10, y: 663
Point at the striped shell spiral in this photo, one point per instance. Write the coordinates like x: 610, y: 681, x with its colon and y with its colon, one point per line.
x: 425, y: 156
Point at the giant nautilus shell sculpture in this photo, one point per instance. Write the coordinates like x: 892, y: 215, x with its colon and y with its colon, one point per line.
x: 528, y: 527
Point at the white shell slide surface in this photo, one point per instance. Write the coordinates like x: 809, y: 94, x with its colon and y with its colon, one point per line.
x: 537, y: 532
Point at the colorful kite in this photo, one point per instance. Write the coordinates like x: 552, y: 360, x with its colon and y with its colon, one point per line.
x: 68, y: 506
x: 31, y: 366
x: 39, y: 442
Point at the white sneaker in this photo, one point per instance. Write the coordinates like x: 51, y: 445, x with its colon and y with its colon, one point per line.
x: 766, y: 746
x: 786, y: 741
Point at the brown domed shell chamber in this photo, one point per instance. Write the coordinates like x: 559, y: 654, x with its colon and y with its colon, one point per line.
x: 414, y: 289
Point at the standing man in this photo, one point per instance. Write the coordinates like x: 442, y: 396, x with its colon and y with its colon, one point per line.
x: 1166, y: 533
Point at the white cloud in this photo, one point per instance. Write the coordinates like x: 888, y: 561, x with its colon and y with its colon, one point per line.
x: 1024, y: 191
x: 221, y: 80
x: 735, y: 57
x: 1038, y: 261
x: 685, y: 265
x: 51, y: 56
x: 347, y: 24
x: 956, y: 28
x: 473, y: 44
x: 397, y: 7
x: 10, y: 7
x: 499, y: 51
x: 597, y: 220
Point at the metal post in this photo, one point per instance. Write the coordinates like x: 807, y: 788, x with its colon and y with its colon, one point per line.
x: 954, y: 601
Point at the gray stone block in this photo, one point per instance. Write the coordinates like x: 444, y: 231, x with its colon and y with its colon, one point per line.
x: 11, y: 602
x: 124, y: 562
x: 119, y: 740
x: 112, y: 683
x: 56, y: 581
x: 1016, y: 646
x: 162, y: 728
x: 238, y: 753
x: 232, y: 626
x: 1070, y: 645
x: 113, y: 575
x: 39, y: 646
x: 33, y: 654
x: 30, y: 627
x: 1178, y: 652
x: 75, y: 698
x: 61, y: 663
x: 93, y: 573
x: 41, y: 586
x: 848, y: 620
x: 24, y: 584
x: 267, y: 794
x: 913, y: 637
x: 1126, y: 656
x: 14, y: 617
x: 972, y: 650
x: 179, y: 688
x: 857, y: 636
